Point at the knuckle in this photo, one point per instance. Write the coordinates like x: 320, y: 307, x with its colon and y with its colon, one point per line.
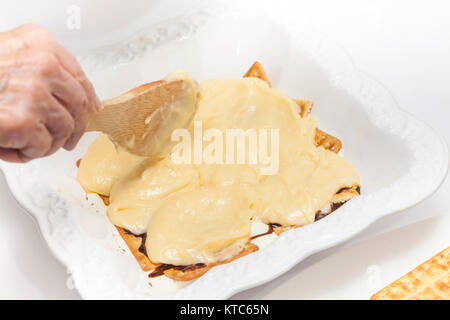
x: 31, y: 27
x: 27, y: 27
x: 84, y: 103
x: 24, y: 122
x: 45, y: 32
x: 65, y: 128
x: 88, y: 102
x: 70, y: 126
x: 35, y: 91
x: 81, y: 108
x: 47, y: 64
x: 41, y: 143
x: 19, y: 122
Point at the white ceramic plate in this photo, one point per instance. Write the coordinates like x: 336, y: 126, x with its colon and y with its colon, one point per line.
x: 400, y: 159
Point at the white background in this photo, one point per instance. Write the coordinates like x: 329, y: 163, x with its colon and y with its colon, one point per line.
x: 403, y: 44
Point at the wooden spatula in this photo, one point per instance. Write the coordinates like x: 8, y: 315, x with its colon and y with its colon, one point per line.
x: 142, y: 119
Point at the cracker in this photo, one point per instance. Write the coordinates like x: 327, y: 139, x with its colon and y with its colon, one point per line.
x: 136, y: 244
x: 428, y: 281
x: 327, y: 141
x: 257, y: 71
x: 322, y: 138
x: 342, y: 196
x: 186, y: 273
x: 305, y: 106
x: 345, y: 194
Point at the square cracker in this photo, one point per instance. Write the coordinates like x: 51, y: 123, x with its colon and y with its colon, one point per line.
x: 322, y: 138
x: 428, y: 281
x: 257, y: 71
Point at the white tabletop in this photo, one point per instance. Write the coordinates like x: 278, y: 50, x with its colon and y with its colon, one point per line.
x: 403, y: 44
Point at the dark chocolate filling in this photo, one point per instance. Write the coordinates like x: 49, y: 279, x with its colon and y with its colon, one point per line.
x: 320, y: 215
x: 271, y: 226
x: 142, y: 249
x: 335, y: 206
x: 159, y: 271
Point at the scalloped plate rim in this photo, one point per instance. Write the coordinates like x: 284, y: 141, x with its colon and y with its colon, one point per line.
x: 26, y: 204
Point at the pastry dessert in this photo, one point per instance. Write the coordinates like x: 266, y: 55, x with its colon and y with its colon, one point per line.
x: 428, y: 281
x: 181, y: 219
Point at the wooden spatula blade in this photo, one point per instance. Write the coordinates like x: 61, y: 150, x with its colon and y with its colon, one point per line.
x: 142, y: 120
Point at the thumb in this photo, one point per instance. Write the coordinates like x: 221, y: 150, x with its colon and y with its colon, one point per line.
x: 11, y: 155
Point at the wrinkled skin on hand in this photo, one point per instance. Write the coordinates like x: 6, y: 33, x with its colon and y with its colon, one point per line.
x: 45, y: 96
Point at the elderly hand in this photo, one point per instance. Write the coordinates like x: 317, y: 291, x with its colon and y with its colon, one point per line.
x: 44, y: 95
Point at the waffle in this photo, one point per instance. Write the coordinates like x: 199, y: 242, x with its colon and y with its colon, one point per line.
x: 428, y: 281
x: 136, y: 244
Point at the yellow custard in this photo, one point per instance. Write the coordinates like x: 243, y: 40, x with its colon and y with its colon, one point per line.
x: 200, y: 212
